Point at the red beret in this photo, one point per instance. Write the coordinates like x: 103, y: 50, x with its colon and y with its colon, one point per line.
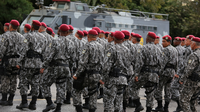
x: 107, y: 32
x: 102, y: 32
x: 152, y: 34
x: 137, y: 35
x: 80, y: 32
x: 132, y: 34
x: 127, y: 33
x: 85, y: 32
x: 6, y: 24
x: 14, y: 22
x: 64, y: 27
x: 119, y: 35
x: 178, y: 38
x: 196, y: 39
x: 182, y: 39
x: 167, y: 37
x: 27, y: 26
x: 43, y: 24
x: 97, y: 29
x: 49, y: 29
x: 189, y: 36
x: 71, y: 27
x: 36, y: 22
x: 53, y: 33
x: 93, y: 32
x: 157, y: 37
x: 112, y: 34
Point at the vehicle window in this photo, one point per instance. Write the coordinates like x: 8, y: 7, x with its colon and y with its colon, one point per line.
x: 155, y: 28
x: 139, y: 27
x: 132, y: 26
x: 98, y: 24
x: 47, y: 19
x: 79, y: 7
x: 144, y: 27
x: 31, y: 18
x: 126, y: 26
x: 108, y: 25
x: 59, y: 22
x: 150, y: 28
x: 120, y: 25
x: 113, y: 25
x: 69, y: 21
x: 61, y: 5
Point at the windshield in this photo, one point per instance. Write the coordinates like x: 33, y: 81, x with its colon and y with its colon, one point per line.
x: 47, y: 19
x: 31, y: 18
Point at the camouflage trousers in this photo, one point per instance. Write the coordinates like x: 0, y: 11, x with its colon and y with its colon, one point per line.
x: 175, y: 90
x: 188, y: 96
x: 58, y: 75
x: 91, y: 82
x: 30, y: 77
x: 149, y: 86
x: 85, y: 92
x: 113, y: 98
x: 164, y: 82
x: 69, y: 84
x: 9, y: 80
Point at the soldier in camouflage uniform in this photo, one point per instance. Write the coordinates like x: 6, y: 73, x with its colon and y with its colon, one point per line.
x: 32, y: 64
x: 169, y: 69
x: 183, y: 42
x: 107, y: 35
x: 135, y: 40
x: 145, y: 72
x: 188, y: 49
x: 91, y: 60
x: 156, y: 42
x: 13, y: 49
x: 175, y: 84
x: 58, y: 60
x: 85, y: 36
x: 190, y: 79
x: 116, y: 69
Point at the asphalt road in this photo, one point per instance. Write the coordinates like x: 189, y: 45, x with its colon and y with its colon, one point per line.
x: 41, y: 103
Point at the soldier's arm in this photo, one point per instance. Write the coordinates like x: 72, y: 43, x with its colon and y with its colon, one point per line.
x: 108, y: 61
x: 139, y: 61
x: 192, y: 63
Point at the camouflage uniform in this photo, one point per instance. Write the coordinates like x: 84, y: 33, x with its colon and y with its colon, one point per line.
x: 191, y: 79
x: 146, y: 72
x: 188, y: 51
x: 91, y: 60
x: 175, y: 84
x: 13, y: 48
x: 116, y: 69
x: 159, y: 46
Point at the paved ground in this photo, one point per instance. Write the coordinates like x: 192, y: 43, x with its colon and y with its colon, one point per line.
x: 41, y: 103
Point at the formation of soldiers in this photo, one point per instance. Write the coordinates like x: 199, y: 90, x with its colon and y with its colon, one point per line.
x: 113, y: 64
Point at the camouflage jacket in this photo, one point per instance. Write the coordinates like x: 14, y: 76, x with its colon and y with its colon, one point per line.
x: 181, y: 64
x: 159, y: 46
x: 36, y: 42
x: 188, y: 51
x: 15, y: 45
x: 170, y: 59
x: 102, y: 42
x: 193, y: 66
x: 91, y: 58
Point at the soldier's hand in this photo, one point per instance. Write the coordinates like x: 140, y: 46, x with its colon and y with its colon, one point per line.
x: 74, y: 77
x: 176, y: 76
x: 101, y: 82
x: 136, y: 79
x: 180, y: 82
x: 18, y: 66
x: 42, y: 70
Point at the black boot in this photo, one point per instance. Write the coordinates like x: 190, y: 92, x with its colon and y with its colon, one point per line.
x: 50, y: 105
x: 124, y: 105
x: 139, y: 106
x: 24, y: 103
x: 40, y: 96
x: 92, y: 110
x: 79, y: 108
x: 3, y: 101
x: 159, y: 107
x: 86, y: 105
x: 131, y: 104
x: 166, y: 107
x: 148, y: 109
x: 178, y: 109
x: 58, y: 107
x: 68, y: 96
x: 32, y: 104
x: 10, y: 100
x: 101, y: 93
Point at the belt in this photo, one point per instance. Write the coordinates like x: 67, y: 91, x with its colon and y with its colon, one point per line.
x: 13, y: 56
x: 92, y: 71
x: 61, y: 64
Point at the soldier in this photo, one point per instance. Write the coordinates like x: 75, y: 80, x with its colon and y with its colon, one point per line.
x: 58, y: 59
x: 183, y: 42
x: 145, y: 72
x: 110, y: 40
x: 85, y: 35
x: 157, y: 40
x: 106, y: 34
x: 6, y: 27
x: 191, y: 78
x: 169, y: 69
x: 53, y: 34
x: 50, y: 31
x: 175, y: 84
x: 13, y: 49
x: 91, y: 60
x: 116, y: 68
x: 188, y: 49
x: 33, y: 62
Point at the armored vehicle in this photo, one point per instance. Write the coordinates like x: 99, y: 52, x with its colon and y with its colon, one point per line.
x: 84, y: 17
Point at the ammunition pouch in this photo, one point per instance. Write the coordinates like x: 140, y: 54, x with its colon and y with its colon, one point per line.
x: 148, y: 69
x: 194, y: 77
x: 169, y: 66
x: 32, y: 54
x: 116, y: 72
x: 78, y: 83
